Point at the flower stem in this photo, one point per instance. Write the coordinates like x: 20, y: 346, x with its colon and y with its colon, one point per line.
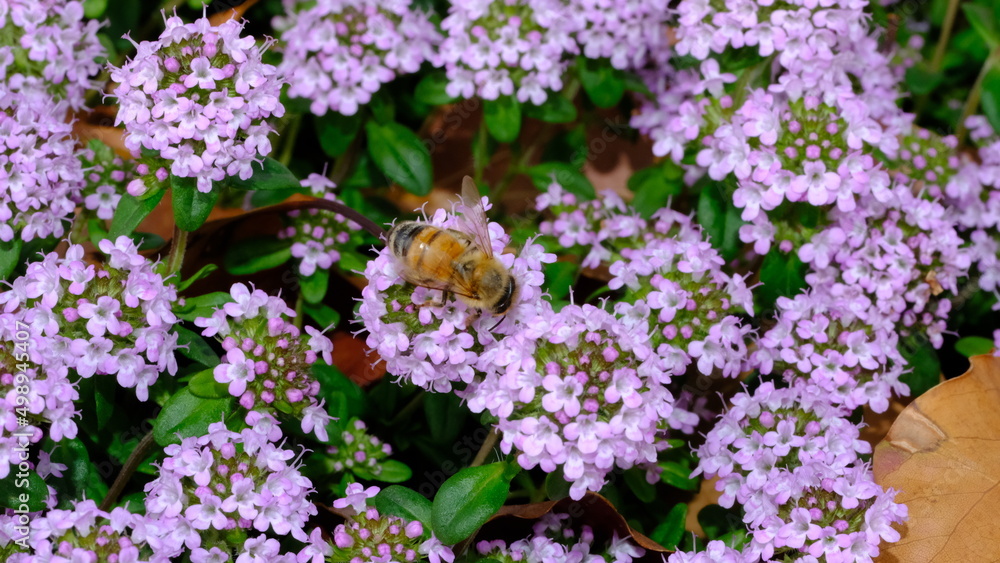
x: 946, y: 27
x: 176, y: 257
x: 972, y: 102
x: 291, y: 134
x: 79, y: 224
x: 413, y: 405
x: 131, y: 464
x: 486, y: 448
x: 479, y: 157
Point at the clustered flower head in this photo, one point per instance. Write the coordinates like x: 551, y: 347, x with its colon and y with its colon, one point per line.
x: 115, y: 320
x: 369, y: 536
x: 553, y: 541
x: 47, y: 392
x: 791, y: 459
x: 267, y: 361
x: 577, y: 389
x: 318, y: 235
x: 338, y: 53
x: 47, y: 50
x: 358, y: 451
x: 497, y: 48
x: 629, y: 33
x: 200, y: 96
x: 210, y: 485
x: 106, y: 175
x: 85, y: 533
x: 40, y: 177
x: 435, y: 344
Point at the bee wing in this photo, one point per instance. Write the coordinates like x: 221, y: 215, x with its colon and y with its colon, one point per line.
x: 474, y: 216
x: 457, y: 285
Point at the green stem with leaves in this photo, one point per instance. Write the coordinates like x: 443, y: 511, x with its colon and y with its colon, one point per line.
x: 290, y: 135
x: 942, y: 45
x: 175, y: 259
x: 975, y: 95
x: 140, y: 453
x: 486, y: 448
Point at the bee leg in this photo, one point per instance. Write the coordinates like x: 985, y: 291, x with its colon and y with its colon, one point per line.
x: 498, y: 323
x: 445, y: 295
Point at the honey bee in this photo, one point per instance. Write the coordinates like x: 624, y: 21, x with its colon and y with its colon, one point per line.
x: 455, y: 261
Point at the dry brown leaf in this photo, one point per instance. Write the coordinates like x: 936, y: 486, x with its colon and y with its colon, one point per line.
x: 592, y: 510
x: 943, y: 454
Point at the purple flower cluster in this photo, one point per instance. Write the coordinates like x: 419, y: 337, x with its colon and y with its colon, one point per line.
x: 715, y: 552
x: 114, y: 320
x: 338, y: 53
x: 368, y: 536
x: 48, y: 394
x: 553, y: 541
x: 791, y: 459
x: 48, y: 51
x: 318, y: 235
x: 199, y: 96
x: 40, y: 177
x: 842, y: 348
x: 497, y: 48
x: 358, y: 451
x: 577, y: 389
x: 223, y: 481
x: 106, y: 175
x: 85, y: 533
x: 267, y: 361
x: 628, y: 32
x: 671, y: 276
x: 437, y: 345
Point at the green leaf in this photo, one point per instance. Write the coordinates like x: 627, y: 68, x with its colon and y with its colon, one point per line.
x: 566, y: 175
x: 973, y: 346
x: 94, y: 9
x: 922, y: 80
x: 10, y: 256
x: 781, y: 275
x: 503, y: 118
x: 677, y: 474
x: 202, y: 273
x: 202, y: 305
x: 267, y: 175
x: 314, y: 287
x: 401, y: 156
x: 344, y: 398
x: 653, y: 187
x: 404, y: 503
x: 925, y: 366
x: 720, y: 219
x: 192, y: 346
x: 445, y: 416
x: 267, y: 198
x: 81, y: 478
x: 717, y: 521
x: 105, y: 389
x: 991, y: 96
x: 147, y: 241
x: 324, y: 315
x: 130, y: 212
x: 643, y: 490
x: 383, y: 107
x: 670, y: 530
x: 604, y: 84
x: 257, y: 254
x: 23, y: 491
x: 97, y: 231
x: 555, y: 109
x: 556, y: 485
x: 393, y: 471
x: 982, y: 20
x: 186, y: 414
x: 467, y: 500
x: 559, y: 278
x: 431, y: 89
x: 204, y: 385
x: 191, y: 207
x: 336, y: 131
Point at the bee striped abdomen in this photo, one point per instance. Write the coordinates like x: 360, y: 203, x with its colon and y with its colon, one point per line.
x: 504, y: 303
x: 401, y: 237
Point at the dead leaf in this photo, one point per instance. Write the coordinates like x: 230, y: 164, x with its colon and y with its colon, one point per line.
x: 943, y: 454
x: 354, y: 359
x: 592, y: 510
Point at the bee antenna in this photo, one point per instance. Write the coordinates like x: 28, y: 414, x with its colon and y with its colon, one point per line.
x: 365, y: 223
x: 498, y: 323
